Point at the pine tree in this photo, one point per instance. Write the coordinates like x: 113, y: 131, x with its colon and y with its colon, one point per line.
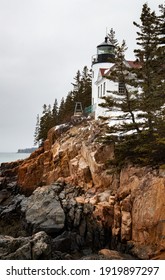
x: 61, y: 112
x: 77, y: 88
x: 45, y: 123
x: 81, y: 93
x: 50, y: 117
x: 152, y: 83
x: 77, y: 83
x: 161, y: 19
x: 69, y: 107
x: 55, y: 113
x: 144, y: 106
x: 123, y: 103
x: 37, y: 128
x: 112, y: 37
x: 150, y: 80
x: 123, y: 108
x: 86, y: 89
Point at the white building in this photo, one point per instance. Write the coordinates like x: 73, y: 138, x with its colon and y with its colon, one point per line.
x: 101, y: 67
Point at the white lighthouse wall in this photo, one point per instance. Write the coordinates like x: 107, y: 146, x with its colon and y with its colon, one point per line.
x: 95, y: 95
x: 105, y: 87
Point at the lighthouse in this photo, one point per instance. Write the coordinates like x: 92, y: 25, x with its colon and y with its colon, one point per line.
x: 101, y: 63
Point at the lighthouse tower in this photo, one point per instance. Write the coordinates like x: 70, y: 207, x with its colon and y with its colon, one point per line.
x: 101, y: 63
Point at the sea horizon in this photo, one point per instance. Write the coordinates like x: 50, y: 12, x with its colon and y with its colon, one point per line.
x: 12, y: 156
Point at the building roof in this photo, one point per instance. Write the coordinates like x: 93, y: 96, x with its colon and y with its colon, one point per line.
x: 130, y: 63
x: 103, y: 71
x: 134, y: 64
x: 105, y: 43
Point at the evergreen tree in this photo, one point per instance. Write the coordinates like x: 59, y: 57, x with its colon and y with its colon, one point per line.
x: 61, y: 112
x: 161, y: 19
x: 123, y: 106
x: 55, y: 113
x: 37, y: 129
x: 69, y: 107
x: 142, y: 138
x: 50, y: 117
x: 86, y: 92
x: 77, y: 84
x: 152, y: 84
x: 45, y: 124
x: 150, y: 79
x: 123, y: 103
x: 77, y: 89
x: 81, y: 93
x: 82, y: 87
x: 112, y: 37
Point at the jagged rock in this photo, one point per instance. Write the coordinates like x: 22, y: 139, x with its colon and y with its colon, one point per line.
x: 41, y: 246
x: 141, y: 193
x: 104, y: 196
x: 25, y: 248
x: 67, y: 242
x: 11, y: 218
x: 4, y: 194
x: 6, y: 167
x: 126, y: 222
x: 70, y: 157
x: 2, y: 181
x: 101, y: 204
x: 116, y: 228
x: 80, y: 200
x: 43, y: 211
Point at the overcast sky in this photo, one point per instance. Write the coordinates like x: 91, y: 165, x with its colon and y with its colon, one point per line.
x: 42, y: 45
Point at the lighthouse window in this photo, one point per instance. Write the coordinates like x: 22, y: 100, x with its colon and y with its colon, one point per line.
x: 121, y: 87
x: 101, y: 91
x: 105, y: 49
x: 104, y: 87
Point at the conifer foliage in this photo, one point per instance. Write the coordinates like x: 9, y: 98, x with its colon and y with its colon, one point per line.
x: 81, y: 93
x: 55, y: 115
x: 139, y: 132
x: 47, y: 120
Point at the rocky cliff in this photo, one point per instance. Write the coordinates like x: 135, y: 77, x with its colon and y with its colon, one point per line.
x: 101, y: 207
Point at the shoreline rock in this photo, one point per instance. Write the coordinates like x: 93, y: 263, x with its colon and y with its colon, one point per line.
x: 104, y: 208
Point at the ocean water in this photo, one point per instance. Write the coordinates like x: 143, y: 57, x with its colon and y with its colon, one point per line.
x: 8, y: 157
